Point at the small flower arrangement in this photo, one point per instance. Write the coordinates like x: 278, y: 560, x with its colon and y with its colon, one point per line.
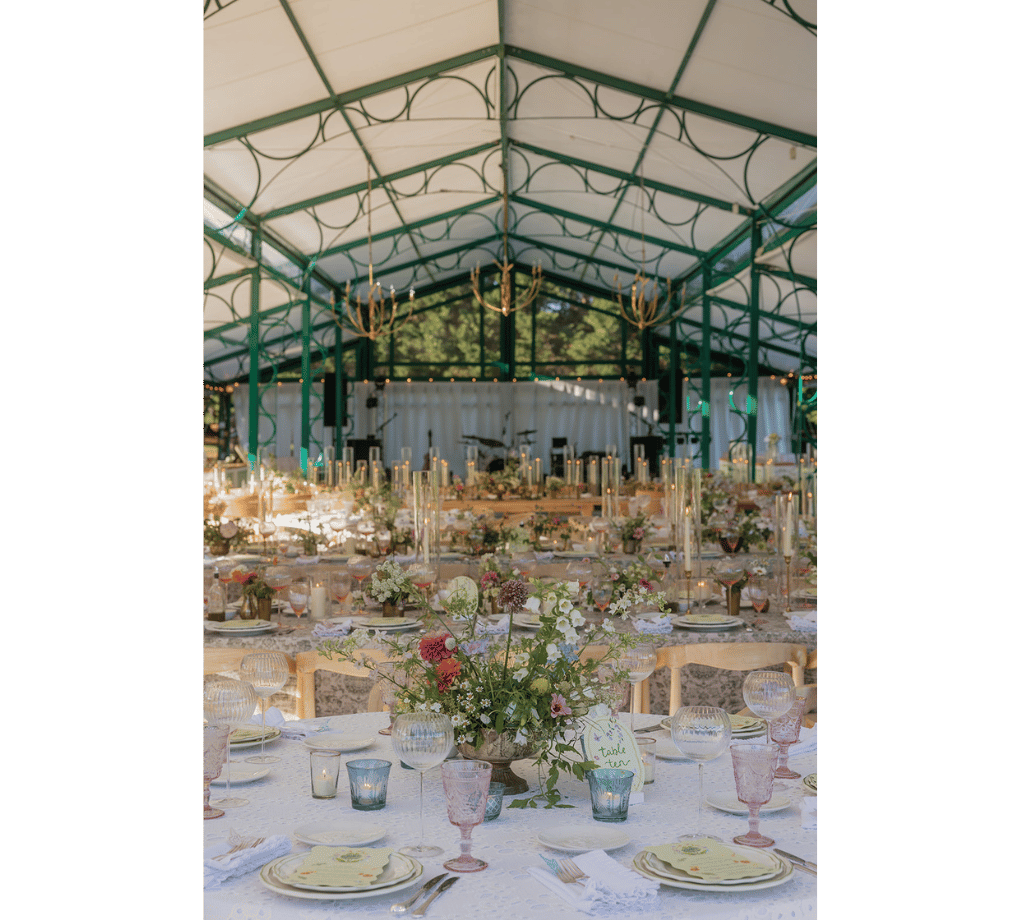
x: 554, y: 527
x: 534, y: 689
x: 634, y: 528
x: 636, y: 577
x: 390, y: 584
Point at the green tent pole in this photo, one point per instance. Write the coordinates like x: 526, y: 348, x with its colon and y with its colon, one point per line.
x: 341, y: 408
x: 253, y: 354
x: 752, y: 349
x: 306, y: 374
x: 674, y: 374
x: 706, y: 368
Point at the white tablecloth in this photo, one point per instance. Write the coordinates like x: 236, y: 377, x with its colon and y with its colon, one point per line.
x: 282, y: 801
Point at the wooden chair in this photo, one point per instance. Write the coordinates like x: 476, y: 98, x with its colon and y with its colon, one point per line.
x: 729, y: 656
x: 810, y: 692
x: 219, y: 660
x: 310, y: 662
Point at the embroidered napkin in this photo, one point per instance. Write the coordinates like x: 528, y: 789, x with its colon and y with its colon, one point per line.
x: 610, y: 887
x: 805, y: 621
x: 332, y: 630
x: 217, y: 871
x: 657, y: 626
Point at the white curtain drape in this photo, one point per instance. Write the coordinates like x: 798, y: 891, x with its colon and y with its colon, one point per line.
x: 589, y: 414
x: 280, y: 433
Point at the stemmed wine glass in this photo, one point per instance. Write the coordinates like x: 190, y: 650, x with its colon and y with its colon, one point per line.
x: 524, y: 563
x: 784, y: 731
x: 601, y: 526
x: 299, y: 593
x: 769, y: 694
x: 754, y: 766
x: 267, y: 528
x: 580, y: 570
x: 423, y: 575
x: 267, y: 673
x: 701, y: 733
x: 339, y: 587
x: 360, y: 567
x: 336, y: 525
x: 758, y: 594
x: 232, y: 703
x: 422, y: 740
x: 728, y: 574
x: 638, y: 662
x: 602, y: 594
x: 466, y: 784
x: 216, y: 739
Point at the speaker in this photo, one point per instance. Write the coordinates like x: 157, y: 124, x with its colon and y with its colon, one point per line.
x: 653, y: 446
x: 664, y: 400
x: 330, y: 417
x: 361, y: 446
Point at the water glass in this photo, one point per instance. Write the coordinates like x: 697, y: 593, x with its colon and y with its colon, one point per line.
x: 466, y: 784
x: 216, y: 741
x: 610, y: 793
x: 368, y: 780
x: 647, y: 748
x: 325, y: 766
x: 494, y: 802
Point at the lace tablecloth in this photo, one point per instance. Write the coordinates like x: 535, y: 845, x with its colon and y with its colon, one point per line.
x: 282, y: 802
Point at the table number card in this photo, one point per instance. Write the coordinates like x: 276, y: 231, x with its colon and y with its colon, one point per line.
x: 611, y: 744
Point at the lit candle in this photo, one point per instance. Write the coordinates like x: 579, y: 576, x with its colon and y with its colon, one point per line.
x: 538, y: 471
x: 317, y: 607
x: 788, y: 529
x: 322, y: 785
x: 688, y: 560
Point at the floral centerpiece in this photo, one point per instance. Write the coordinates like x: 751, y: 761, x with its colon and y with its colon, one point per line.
x: 635, y: 578
x: 256, y: 593
x: 554, y: 527
x: 633, y: 530
x: 509, y: 696
x: 481, y: 536
x: 391, y: 586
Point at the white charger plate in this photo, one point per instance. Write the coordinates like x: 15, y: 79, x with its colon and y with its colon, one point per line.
x: 727, y: 623
x: 583, y: 839
x: 241, y: 772
x: 254, y: 630
x: 272, y: 734
x: 268, y: 878
x: 333, y: 834
x: 784, y: 876
x: 335, y: 741
x: 729, y: 802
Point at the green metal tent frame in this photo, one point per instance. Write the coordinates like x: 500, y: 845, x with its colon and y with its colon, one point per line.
x: 299, y: 332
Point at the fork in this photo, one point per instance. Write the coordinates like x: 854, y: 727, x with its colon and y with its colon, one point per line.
x: 568, y: 871
x: 243, y: 845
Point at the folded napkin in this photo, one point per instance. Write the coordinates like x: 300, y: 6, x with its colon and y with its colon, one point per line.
x: 806, y: 621
x: 807, y: 743
x: 610, y: 887
x: 660, y: 625
x: 809, y: 812
x: 217, y: 871
x: 499, y: 628
x: 332, y: 630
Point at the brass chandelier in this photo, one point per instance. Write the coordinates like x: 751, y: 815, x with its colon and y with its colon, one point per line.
x: 507, y: 304
x: 643, y: 310
x: 375, y: 317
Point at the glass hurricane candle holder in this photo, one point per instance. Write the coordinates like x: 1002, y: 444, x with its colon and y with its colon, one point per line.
x: 610, y: 793
x: 325, y: 769
x: 368, y: 779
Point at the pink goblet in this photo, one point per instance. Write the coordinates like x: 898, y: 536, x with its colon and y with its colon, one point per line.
x: 466, y: 784
x: 754, y: 766
x: 785, y: 731
x: 214, y: 753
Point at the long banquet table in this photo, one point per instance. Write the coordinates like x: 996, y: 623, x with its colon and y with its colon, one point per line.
x: 281, y: 802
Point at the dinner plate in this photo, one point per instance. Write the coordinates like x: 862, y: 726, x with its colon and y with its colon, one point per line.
x: 399, y: 868
x: 335, y: 741
x: 785, y: 874
x: 267, y: 877
x: 811, y: 782
x: 334, y: 834
x: 724, y: 622
x: 729, y: 802
x: 244, y: 628
x: 241, y: 772
x: 385, y: 624
x: 665, y: 749
x: 271, y: 735
x: 583, y: 839
x: 740, y: 726
x: 527, y: 622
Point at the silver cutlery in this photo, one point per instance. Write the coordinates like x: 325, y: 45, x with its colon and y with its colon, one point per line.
x: 568, y: 871
x: 798, y: 861
x: 420, y: 912
x: 403, y: 906
x: 650, y: 728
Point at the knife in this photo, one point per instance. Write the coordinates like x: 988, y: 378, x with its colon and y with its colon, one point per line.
x: 428, y: 886
x: 797, y: 860
x: 650, y: 728
x: 420, y: 912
